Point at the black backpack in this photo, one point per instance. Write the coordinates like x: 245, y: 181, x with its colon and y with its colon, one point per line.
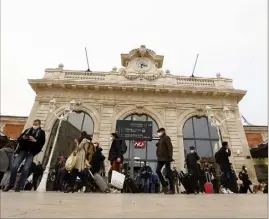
x: 123, y: 147
x: 217, y: 157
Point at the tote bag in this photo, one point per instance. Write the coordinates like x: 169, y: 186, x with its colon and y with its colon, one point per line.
x: 70, y: 162
x: 117, y: 179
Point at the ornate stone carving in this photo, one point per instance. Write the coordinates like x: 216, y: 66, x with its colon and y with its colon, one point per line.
x: 78, y: 106
x: 119, y: 108
x: 179, y: 112
x: 200, y: 112
x: 139, y: 109
x: 98, y: 108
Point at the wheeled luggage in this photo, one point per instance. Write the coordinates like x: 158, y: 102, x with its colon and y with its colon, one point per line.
x: 131, y: 185
x: 186, y: 181
x: 208, y: 185
x: 5, y: 179
x: 100, y: 182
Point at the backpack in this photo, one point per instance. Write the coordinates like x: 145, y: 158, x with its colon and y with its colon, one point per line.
x: 217, y: 157
x: 123, y: 147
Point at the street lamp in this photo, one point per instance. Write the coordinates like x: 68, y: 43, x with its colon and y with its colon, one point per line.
x: 214, y: 122
x: 63, y: 116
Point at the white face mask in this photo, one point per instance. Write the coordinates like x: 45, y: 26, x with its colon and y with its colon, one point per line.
x: 192, y: 151
x: 35, y: 127
x: 95, y: 144
x: 160, y: 134
x: 111, y: 139
x: 246, y: 169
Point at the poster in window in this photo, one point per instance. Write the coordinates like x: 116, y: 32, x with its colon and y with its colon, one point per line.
x: 140, y: 144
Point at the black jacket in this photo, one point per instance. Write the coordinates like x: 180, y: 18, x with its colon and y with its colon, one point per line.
x: 191, y: 162
x: 32, y: 147
x: 115, y: 151
x: 224, y: 159
x: 164, y: 149
x: 97, y: 161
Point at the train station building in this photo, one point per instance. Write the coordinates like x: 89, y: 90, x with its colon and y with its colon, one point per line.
x: 141, y: 90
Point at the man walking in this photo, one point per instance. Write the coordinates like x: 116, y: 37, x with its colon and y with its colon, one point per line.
x: 222, y: 158
x: 165, y: 157
x: 193, y: 168
x: 30, y: 142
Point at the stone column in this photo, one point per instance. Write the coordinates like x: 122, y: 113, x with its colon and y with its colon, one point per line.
x: 238, y: 141
x: 171, y: 130
x: 32, y: 115
x: 181, y: 156
x: 106, y: 129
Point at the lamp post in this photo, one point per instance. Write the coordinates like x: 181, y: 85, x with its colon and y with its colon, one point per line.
x: 63, y: 116
x: 214, y: 122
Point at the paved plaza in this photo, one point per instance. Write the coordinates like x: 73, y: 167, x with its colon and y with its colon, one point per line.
x: 60, y: 205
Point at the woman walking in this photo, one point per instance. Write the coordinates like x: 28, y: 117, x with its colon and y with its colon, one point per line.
x: 83, y: 153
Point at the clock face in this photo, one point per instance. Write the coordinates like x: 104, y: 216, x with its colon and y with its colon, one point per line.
x: 143, y: 64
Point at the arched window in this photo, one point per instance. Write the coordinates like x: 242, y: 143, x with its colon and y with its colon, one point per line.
x: 146, y: 154
x: 70, y: 129
x: 198, y: 132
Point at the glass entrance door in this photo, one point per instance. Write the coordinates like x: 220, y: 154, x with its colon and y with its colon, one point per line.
x: 141, y: 153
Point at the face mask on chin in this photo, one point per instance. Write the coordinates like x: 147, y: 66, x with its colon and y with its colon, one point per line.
x: 160, y: 134
x: 35, y: 127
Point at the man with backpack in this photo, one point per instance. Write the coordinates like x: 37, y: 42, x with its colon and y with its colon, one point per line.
x: 222, y: 158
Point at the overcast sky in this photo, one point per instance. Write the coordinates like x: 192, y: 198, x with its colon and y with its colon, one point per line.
x: 229, y: 35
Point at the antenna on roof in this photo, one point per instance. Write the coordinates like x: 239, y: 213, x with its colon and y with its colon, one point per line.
x: 194, y: 65
x: 245, y: 120
x: 88, y: 70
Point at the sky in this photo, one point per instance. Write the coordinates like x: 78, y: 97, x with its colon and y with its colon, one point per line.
x: 229, y: 35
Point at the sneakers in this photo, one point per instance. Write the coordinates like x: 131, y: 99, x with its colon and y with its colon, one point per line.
x: 226, y: 191
x: 7, y: 188
x: 229, y: 191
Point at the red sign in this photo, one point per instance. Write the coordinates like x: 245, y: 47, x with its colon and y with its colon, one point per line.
x: 140, y: 144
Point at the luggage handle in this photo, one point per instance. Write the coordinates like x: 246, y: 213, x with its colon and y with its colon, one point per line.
x: 91, y: 173
x: 207, y: 176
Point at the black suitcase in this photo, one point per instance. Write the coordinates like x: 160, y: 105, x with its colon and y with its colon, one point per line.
x: 185, y: 180
x: 131, y: 185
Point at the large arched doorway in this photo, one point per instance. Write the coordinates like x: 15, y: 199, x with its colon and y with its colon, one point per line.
x: 137, y: 156
x: 70, y: 130
x: 198, y: 132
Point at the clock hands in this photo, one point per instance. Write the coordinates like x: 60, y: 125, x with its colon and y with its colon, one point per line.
x: 142, y: 65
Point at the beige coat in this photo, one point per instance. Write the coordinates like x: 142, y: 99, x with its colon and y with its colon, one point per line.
x: 81, y: 151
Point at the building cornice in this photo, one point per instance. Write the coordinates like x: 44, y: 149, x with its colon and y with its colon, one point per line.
x: 41, y: 84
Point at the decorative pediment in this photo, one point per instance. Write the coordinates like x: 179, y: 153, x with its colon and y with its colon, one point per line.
x: 141, y: 52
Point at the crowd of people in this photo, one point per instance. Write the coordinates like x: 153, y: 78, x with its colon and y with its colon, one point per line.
x: 86, y: 160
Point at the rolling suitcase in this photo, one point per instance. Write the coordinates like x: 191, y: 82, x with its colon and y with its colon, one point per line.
x: 208, y: 185
x: 131, y: 185
x: 100, y: 182
x: 185, y: 180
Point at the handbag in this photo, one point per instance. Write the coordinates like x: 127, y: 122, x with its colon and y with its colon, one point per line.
x: 70, y: 162
x: 117, y: 179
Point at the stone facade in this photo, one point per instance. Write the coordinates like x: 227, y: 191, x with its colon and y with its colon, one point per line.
x: 141, y: 86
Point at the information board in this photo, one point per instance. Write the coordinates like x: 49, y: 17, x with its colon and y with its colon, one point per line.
x: 134, y: 130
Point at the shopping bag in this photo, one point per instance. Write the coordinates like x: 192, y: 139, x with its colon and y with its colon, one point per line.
x: 70, y: 162
x: 117, y: 179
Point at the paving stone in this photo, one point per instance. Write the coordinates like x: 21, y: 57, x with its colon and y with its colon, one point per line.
x: 61, y: 205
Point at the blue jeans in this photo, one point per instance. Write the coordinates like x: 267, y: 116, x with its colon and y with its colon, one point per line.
x: 226, y: 179
x: 15, y: 166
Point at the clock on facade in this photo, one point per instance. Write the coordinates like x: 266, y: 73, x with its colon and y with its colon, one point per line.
x: 143, y: 65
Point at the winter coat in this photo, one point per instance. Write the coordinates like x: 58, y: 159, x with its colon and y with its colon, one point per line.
x: 115, y: 151
x: 32, y: 147
x: 6, y: 158
x: 82, y: 155
x: 192, y: 165
x: 164, y: 149
x: 97, y: 161
x: 223, y: 157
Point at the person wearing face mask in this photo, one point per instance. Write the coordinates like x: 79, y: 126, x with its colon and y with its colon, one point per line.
x: 30, y: 144
x: 243, y: 175
x: 165, y: 157
x: 191, y: 161
x: 115, y: 155
x: 98, y: 159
